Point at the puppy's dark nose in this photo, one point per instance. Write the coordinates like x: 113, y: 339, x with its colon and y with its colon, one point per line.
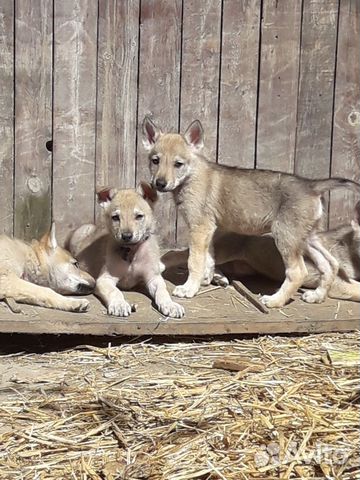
x: 126, y: 236
x: 84, y: 289
x: 160, y: 183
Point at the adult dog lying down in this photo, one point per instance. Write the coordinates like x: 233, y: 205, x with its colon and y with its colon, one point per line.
x: 242, y: 255
x: 126, y: 253
x: 38, y: 273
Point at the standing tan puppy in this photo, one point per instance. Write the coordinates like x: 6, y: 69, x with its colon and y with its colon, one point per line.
x: 249, y: 202
x: 38, y: 273
x: 128, y: 254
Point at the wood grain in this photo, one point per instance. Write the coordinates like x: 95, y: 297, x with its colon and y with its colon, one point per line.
x: 33, y: 117
x: 346, y: 133
x: 239, y: 81
x: 200, y: 68
x: 75, y: 33
x: 117, y: 93
x: 159, y: 83
x: 316, y: 85
x: 6, y: 115
x: 279, y: 65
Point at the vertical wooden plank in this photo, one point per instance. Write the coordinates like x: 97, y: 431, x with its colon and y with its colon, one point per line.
x: 33, y: 117
x: 346, y: 132
x: 279, y: 67
x: 200, y: 70
x: 75, y: 54
x: 316, y: 85
x: 6, y: 115
x: 117, y: 93
x: 200, y: 67
x: 239, y: 81
x: 159, y: 73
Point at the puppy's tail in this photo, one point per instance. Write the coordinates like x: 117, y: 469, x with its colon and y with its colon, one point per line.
x: 321, y: 186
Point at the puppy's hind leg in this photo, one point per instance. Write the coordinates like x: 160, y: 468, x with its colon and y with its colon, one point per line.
x: 345, y: 290
x: 327, y: 266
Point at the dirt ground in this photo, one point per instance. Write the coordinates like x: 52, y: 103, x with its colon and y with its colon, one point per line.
x: 258, y: 408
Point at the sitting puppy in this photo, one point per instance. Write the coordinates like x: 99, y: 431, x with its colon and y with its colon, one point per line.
x: 38, y: 273
x: 128, y: 254
x: 241, y: 255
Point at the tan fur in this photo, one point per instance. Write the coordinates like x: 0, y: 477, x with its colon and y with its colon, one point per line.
x: 239, y: 255
x: 39, y: 273
x: 125, y: 263
x: 250, y: 202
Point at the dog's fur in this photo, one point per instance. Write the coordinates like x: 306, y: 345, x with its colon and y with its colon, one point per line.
x: 40, y: 272
x: 250, y: 202
x: 124, y: 262
x: 240, y: 255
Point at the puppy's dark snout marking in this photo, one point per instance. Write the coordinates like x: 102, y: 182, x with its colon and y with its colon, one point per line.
x: 126, y: 236
x: 160, y: 183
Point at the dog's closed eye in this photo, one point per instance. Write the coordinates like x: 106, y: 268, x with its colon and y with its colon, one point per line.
x: 178, y: 164
x: 139, y: 216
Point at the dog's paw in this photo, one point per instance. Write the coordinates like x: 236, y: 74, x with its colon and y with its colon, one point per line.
x: 119, y: 308
x: 171, y: 309
x: 220, y: 280
x: 314, y: 296
x: 272, y: 301
x: 80, y: 305
x: 188, y: 290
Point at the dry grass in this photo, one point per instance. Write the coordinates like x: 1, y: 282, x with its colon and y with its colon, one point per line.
x: 163, y: 412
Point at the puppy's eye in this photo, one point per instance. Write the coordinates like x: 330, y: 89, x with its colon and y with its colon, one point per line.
x: 115, y: 217
x: 155, y: 160
x: 178, y: 164
x: 76, y: 264
x: 139, y: 216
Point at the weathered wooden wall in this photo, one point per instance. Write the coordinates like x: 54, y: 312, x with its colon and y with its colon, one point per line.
x: 276, y: 84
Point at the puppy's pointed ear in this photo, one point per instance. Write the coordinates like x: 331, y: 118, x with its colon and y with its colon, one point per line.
x: 355, y: 224
x: 49, y: 239
x: 150, y: 133
x: 194, y: 135
x: 105, y: 195
x: 147, y: 192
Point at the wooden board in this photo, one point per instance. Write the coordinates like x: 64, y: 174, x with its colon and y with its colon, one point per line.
x: 200, y: 70
x: 278, y: 88
x: 117, y: 93
x: 33, y: 118
x: 218, y: 312
x: 239, y: 82
x: 159, y: 83
x: 346, y: 133
x: 75, y: 37
x: 316, y: 88
x: 6, y: 114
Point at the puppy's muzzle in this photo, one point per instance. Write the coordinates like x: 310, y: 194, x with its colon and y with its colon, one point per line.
x: 85, y: 288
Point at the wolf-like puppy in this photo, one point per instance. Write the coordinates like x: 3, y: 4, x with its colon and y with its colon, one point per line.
x: 248, y: 202
x: 239, y: 255
x: 127, y: 254
x: 38, y: 273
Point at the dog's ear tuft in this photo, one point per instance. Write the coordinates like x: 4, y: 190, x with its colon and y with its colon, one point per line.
x: 357, y: 212
x: 49, y: 239
x: 147, y: 192
x: 194, y: 135
x: 105, y: 195
x: 150, y: 133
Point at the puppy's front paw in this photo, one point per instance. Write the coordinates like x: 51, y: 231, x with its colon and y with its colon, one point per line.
x: 172, y: 309
x: 119, y: 308
x: 273, y: 301
x: 188, y: 290
x: 314, y: 296
x: 79, y: 305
